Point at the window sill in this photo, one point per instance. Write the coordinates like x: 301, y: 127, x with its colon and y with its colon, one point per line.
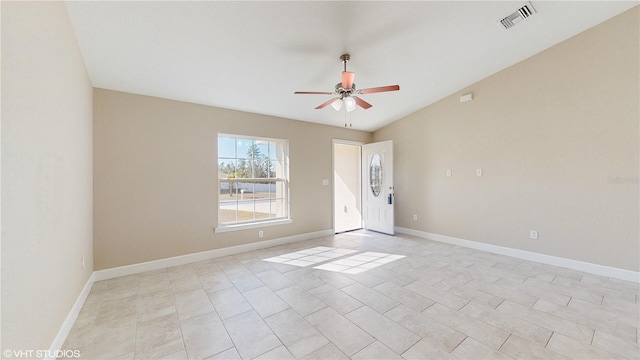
x: 253, y: 225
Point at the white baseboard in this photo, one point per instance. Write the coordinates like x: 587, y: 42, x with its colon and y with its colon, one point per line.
x: 204, y: 255
x: 66, y: 326
x: 60, y: 338
x: 591, y: 268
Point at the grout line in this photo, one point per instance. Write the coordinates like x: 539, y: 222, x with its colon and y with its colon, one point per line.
x: 549, y: 339
x: 505, y: 341
x: 461, y: 341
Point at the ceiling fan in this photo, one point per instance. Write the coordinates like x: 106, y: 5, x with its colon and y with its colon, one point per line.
x: 346, y: 91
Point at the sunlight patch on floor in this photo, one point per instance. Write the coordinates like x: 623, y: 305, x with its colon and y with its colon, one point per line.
x: 359, y: 263
x: 350, y: 265
x: 311, y: 256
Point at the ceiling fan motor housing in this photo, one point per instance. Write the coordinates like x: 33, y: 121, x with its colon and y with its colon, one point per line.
x: 345, y: 92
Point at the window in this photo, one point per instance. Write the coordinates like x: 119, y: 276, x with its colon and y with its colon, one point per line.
x: 253, y: 181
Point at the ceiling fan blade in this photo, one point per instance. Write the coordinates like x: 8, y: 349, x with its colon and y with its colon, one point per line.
x: 314, y: 92
x: 347, y: 79
x: 379, y: 89
x: 325, y: 103
x: 363, y: 104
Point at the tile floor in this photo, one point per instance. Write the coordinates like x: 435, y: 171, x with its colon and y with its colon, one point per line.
x: 437, y: 302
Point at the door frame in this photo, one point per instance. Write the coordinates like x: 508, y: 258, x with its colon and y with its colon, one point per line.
x: 333, y: 183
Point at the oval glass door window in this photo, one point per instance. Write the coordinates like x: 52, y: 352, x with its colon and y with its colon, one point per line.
x: 375, y: 174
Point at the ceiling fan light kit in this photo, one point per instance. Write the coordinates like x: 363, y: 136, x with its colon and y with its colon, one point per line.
x: 345, y: 91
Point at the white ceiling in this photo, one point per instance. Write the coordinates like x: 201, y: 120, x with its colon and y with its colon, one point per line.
x: 252, y: 56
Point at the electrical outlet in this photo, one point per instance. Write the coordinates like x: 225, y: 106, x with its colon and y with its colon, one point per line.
x: 415, y: 217
x: 260, y: 233
x: 478, y: 172
x: 448, y: 172
x: 533, y: 234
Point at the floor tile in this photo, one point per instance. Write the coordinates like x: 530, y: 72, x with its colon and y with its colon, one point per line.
x: 178, y: 355
x: 279, y: 353
x: 251, y: 336
x: 473, y: 349
x: 483, y: 332
x: 592, y: 316
x: 274, y: 280
x: 117, y: 309
x: 369, y: 297
x: 448, y: 299
x: 265, y: 301
x: 434, y: 334
x: 300, y: 337
x: 404, y: 296
x: 616, y: 345
x: 346, y: 336
x: 376, y: 351
x: 423, y: 349
x: 439, y: 301
x: 229, y: 302
x: 336, y: 299
x: 204, y: 336
x: 554, y: 323
x: 504, y: 292
x: 301, y: 301
x: 328, y: 351
x: 230, y: 354
x: 519, y: 348
x: 158, y: 337
x: 215, y: 282
x: 526, y: 330
x: 334, y: 279
x: 304, y: 279
x: 574, y: 349
x: 192, y: 303
x: 392, y: 335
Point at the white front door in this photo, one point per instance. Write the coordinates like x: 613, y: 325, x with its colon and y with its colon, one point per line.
x: 377, y: 187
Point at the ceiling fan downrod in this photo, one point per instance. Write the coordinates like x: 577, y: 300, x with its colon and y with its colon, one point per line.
x: 345, y: 58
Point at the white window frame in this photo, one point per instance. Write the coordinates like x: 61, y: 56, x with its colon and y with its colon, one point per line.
x: 283, y: 178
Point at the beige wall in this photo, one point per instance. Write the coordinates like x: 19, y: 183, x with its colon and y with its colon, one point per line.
x: 346, y: 178
x: 47, y: 173
x: 557, y: 138
x: 156, y: 170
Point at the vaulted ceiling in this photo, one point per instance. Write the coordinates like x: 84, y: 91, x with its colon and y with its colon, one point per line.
x: 252, y: 56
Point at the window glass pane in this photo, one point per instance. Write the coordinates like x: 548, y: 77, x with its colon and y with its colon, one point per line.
x: 261, y: 168
x: 228, y: 206
x: 243, y: 169
x: 243, y: 147
x: 278, y: 169
x: 273, y: 154
x: 262, y: 148
x: 226, y: 168
x: 245, y: 210
x: 226, y: 147
x: 277, y: 207
x: 262, y: 207
x: 261, y: 190
x: 270, y: 168
x: 277, y: 190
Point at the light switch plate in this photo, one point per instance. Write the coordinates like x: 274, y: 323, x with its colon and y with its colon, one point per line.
x: 448, y: 172
x: 325, y: 182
